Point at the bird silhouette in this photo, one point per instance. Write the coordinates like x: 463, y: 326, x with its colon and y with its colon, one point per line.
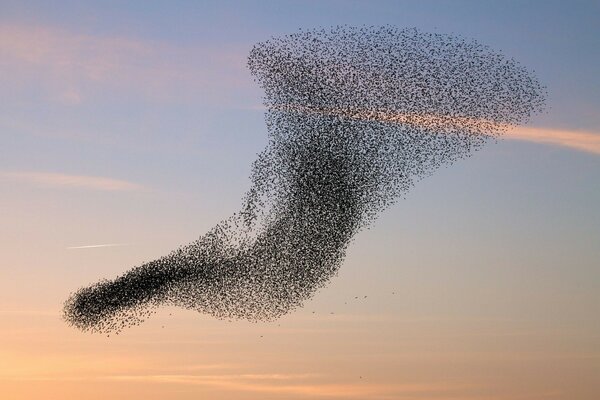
x: 355, y: 117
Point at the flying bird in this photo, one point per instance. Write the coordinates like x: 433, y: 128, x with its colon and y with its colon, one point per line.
x: 355, y: 116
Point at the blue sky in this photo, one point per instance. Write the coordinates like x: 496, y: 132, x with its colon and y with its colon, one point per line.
x: 136, y: 123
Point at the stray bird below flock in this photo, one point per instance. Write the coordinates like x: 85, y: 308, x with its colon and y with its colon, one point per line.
x: 355, y: 117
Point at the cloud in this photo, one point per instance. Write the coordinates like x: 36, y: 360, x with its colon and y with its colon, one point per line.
x: 67, y: 65
x: 225, y: 377
x: 71, y: 66
x: 578, y: 140
x: 70, y: 97
x: 46, y: 313
x: 49, y: 179
x: 299, y: 384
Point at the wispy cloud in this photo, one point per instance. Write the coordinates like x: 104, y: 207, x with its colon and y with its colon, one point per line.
x: 67, y: 65
x: 578, y: 140
x: 225, y: 377
x: 50, y: 179
x: 31, y: 312
x: 308, y: 385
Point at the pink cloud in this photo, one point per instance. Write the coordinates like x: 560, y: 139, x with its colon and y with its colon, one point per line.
x: 63, y: 180
x: 67, y: 64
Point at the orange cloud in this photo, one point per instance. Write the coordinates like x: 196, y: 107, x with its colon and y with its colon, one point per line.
x: 78, y: 181
x: 67, y: 63
x: 301, y: 384
x: 578, y: 140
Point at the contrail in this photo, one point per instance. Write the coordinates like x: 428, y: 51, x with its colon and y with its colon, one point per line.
x: 355, y: 117
x: 93, y: 246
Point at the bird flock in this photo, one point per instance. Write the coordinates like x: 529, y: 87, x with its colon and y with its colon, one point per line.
x: 355, y: 116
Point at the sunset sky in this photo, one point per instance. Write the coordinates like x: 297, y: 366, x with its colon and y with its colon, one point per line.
x: 128, y: 129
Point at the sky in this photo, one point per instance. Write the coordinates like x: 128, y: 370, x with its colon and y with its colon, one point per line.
x: 128, y: 129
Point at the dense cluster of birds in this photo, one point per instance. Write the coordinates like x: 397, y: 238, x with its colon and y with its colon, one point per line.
x: 355, y: 116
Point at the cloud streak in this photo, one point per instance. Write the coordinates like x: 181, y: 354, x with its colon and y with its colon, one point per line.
x: 67, y: 63
x: 94, y: 246
x: 297, y: 385
x: 304, y: 385
x: 577, y: 140
x: 49, y: 179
